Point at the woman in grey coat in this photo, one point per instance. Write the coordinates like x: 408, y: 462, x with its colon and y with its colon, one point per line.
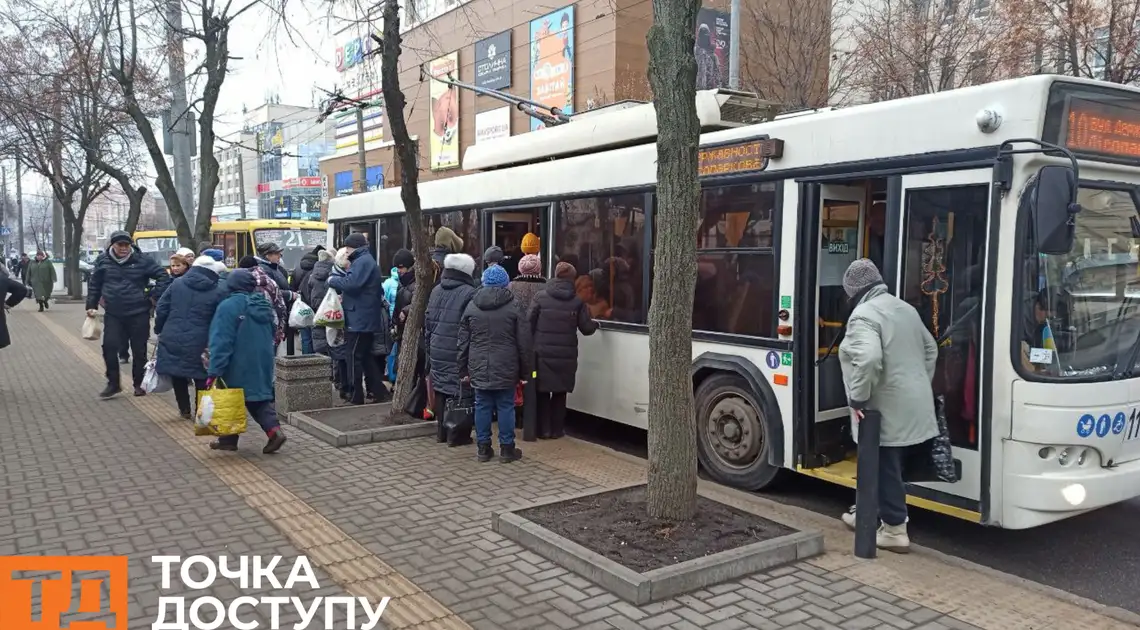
x: 888, y: 358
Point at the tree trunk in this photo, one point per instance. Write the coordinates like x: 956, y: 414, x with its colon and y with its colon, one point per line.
x: 134, y: 211
x: 73, y: 236
x: 672, y: 490
x: 407, y: 152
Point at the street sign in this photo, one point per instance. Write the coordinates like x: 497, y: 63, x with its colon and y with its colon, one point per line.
x: 5, y: 231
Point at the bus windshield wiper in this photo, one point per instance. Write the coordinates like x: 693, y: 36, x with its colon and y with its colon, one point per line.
x: 1130, y: 365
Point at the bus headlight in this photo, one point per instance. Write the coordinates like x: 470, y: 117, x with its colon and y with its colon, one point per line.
x: 1063, y: 458
x: 1069, y: 455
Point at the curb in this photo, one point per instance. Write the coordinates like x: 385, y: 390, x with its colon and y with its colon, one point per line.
x: 1112, y: 612
x: 342, y: 439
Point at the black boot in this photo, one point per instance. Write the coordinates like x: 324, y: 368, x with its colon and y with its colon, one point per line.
x: 486, y: 452
x: 47, y: 305
x: 41, y: 306
x: 509, y: 453
x: 110, y: 390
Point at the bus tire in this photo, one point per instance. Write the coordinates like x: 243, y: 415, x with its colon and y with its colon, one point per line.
x: 732, y: 433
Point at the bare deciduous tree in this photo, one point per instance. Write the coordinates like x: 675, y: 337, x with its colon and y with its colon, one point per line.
x: 908, y: 47
x: 672, y: 490
x: 37, y: 221
x: 1097, y: 39
x: 789, y: 46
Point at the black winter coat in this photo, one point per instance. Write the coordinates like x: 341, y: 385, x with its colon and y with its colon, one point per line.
x: 404, y: 295
x: 299, y: 280
x: 445, y: 308
x: 182, y: 321
x: 556, y: 316
x: 12, y: 292
x: 494, y: 341
x: 123, y: 286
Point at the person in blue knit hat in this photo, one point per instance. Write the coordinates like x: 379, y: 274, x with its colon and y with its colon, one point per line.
x: 495, y: 356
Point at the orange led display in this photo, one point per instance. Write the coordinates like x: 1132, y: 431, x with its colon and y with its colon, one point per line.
x: 741, y: 157
x: 1102, y: 128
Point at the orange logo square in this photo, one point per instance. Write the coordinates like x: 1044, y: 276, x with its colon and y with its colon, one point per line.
x: 18, y: 593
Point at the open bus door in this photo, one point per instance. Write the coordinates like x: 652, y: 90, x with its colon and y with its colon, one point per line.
x: 506, y: 228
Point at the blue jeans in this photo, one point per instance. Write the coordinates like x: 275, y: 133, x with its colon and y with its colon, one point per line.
x: 306, y: 341
x: 264, y: 412
x: 502, y: 402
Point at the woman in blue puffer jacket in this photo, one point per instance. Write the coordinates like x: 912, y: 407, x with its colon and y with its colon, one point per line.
x: 182, y: 322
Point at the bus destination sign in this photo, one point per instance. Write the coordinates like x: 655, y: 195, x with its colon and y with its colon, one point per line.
x: 740, y: 157
x: 1102, y: 128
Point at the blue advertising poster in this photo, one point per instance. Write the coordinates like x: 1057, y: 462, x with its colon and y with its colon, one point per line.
x: 281, y: 207
x: 342, y: 183
x: 309, y: 160
x: 552, y: 61
x: 375, y: 178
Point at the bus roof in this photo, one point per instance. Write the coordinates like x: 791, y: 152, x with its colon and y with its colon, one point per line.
x: 944, y: 121
x: 268, y: 224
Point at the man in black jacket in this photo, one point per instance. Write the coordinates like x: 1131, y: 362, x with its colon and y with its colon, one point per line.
x: 298, y: 282
x: 12, y: 292
x: 120, y: 279
x: 495, y: 356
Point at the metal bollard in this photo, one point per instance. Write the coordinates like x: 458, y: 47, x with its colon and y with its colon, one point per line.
x: 867, y: 486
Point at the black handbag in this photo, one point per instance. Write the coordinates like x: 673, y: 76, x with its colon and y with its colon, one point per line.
x: 459, y: 417
x: 933, y: 460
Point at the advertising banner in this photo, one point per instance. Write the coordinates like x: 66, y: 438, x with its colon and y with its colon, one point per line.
x: 346, y: 132
x: 492, y: 124
x: 444, y: 114
x: 493, y: 62
x: 712, y: 49
x: 552, y: 61
x: 375, y: 178
x: 342, y: 183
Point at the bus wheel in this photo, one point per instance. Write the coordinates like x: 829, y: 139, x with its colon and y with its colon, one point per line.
x: 732, y: 438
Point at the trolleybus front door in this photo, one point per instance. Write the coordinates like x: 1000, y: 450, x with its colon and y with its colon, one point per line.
x: 508, y: 228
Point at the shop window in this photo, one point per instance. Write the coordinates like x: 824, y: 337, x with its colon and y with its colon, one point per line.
x: 392, y: 234
x: 602, y: 238
x: 943, y: 272
x: 465, y: 224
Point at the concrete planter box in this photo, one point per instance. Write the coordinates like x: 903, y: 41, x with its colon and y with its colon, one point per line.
x: 358, y: 424
x: 658, y: 584
x: 302, y: 382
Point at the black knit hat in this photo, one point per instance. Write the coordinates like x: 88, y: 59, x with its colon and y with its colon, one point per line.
x: 403, y: 259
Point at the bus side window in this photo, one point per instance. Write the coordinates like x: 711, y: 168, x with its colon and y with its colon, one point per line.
x: 243, y: 245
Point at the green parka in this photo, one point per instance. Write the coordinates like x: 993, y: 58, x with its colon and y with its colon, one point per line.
x: 41, y: 277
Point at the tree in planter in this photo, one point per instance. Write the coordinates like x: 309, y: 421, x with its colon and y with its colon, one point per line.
x: 407, y: 155
x: 672, y: 489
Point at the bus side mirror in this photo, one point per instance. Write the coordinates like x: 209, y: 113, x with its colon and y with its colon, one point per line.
x: 1054, y: 209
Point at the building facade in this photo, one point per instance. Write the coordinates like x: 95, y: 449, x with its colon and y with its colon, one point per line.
x: 577, y: 57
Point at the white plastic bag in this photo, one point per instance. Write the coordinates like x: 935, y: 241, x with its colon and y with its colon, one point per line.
x: 153, y: 382
x: 92, y: 328
x: 334, y: 337
x: 331, y: 313
x: 205, y: 411
x: 301, y: 315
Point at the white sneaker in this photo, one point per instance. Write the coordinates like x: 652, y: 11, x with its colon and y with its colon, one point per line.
x: 892, y: 538
x: 848, y: 518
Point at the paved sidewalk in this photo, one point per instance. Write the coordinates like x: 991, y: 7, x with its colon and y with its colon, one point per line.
x: 411, y: 519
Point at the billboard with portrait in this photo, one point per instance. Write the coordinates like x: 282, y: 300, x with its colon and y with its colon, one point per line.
x: 552, y: 61
x: 712, y: 49
x: 443, y: 117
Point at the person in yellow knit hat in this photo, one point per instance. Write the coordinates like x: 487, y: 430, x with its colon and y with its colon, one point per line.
x: 530, y: 243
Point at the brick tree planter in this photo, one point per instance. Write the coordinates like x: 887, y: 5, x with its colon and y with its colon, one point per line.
x: 660, y: 583
x: 359, y: 424
x: 302, y: 382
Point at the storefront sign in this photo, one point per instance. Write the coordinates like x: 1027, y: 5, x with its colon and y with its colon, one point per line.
x: 552, y: 61
x: 493, y: 62
x: 738, y: 157
x: 492, y: 124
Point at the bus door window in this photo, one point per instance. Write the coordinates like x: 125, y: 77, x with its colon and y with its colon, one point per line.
x: 841, y: 220
x: 508, y: 231
x: 244, y: 246
x: 943, y: 270
x: 390, y: 239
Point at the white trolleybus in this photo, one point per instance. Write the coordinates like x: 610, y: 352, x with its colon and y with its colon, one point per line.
x: 967, y: 200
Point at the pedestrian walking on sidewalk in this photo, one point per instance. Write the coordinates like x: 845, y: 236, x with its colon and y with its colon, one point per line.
x: 242, y: 354
x: 556, y: 317
x: 494, y: 355
x: 182, y: 323
x: 122, y: 273
x: 446, y: 306
x: 887, y: 357
x: 12, y: 292
x: 362, y: 290
x: 41, y: 277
